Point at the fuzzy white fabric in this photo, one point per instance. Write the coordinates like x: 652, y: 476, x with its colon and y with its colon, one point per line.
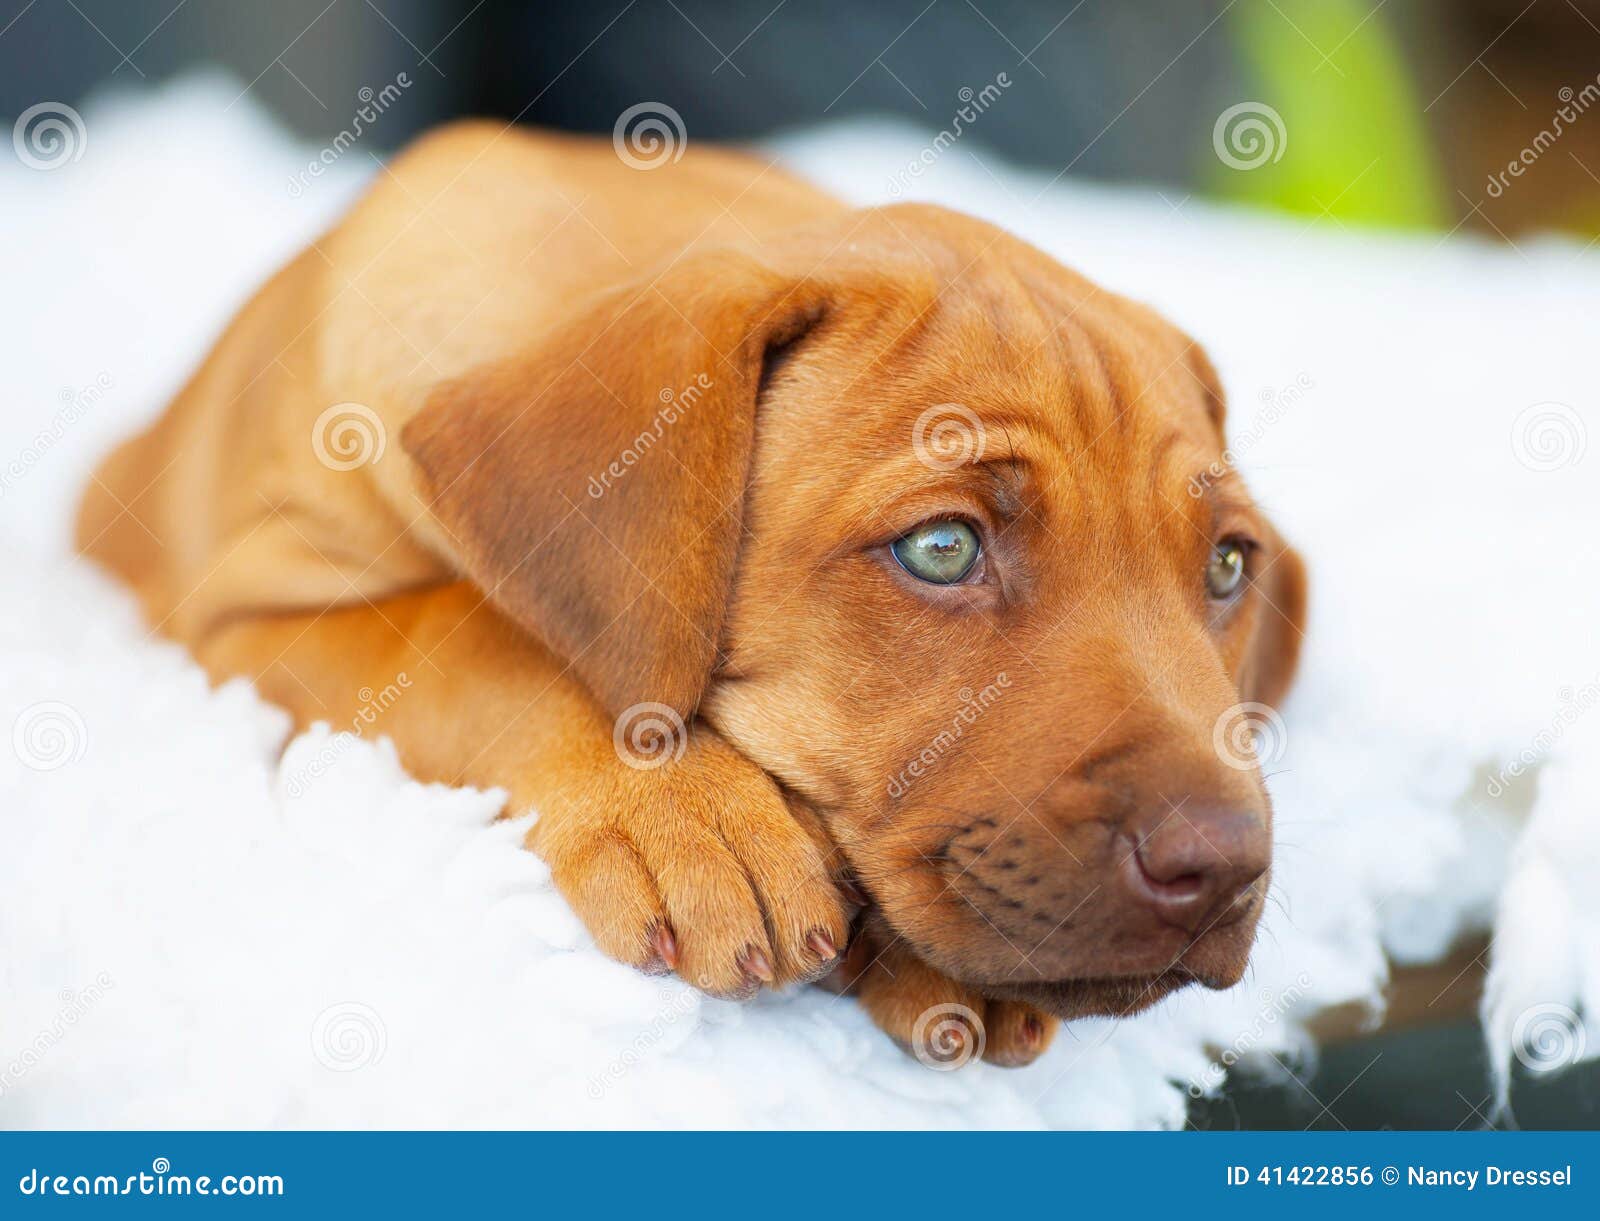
x: 195, y: 933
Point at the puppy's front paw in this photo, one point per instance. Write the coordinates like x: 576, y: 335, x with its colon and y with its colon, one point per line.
x: 942, y: 1023
x: 694, y: 862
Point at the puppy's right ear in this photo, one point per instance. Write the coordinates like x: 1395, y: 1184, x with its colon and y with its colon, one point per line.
x: 593, y: 486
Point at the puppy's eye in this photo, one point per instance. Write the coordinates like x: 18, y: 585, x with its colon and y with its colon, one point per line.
x: 1225, y: 571
x: 941, y: 552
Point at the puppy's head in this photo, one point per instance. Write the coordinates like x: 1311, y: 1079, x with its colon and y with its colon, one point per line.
x: 940, y: 534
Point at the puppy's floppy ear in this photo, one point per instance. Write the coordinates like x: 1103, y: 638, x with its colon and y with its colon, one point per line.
x: 1274, y: 651
x: 594, y: 485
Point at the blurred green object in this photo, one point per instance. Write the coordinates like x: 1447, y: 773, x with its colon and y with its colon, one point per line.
x: 1335, y: 128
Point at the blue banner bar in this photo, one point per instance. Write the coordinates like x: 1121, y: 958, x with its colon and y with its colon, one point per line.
x: 657, y: 1175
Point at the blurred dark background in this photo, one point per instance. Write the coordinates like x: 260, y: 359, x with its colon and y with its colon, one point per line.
x: 1396, y: 112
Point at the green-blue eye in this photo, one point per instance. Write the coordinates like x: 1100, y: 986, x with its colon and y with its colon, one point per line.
x: 1225, y: 571
x: 941, y: 552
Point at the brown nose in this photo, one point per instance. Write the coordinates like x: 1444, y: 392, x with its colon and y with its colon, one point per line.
x: 1193, y: 867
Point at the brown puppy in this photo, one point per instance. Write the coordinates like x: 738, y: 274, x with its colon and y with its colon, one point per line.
x: 764, y: 547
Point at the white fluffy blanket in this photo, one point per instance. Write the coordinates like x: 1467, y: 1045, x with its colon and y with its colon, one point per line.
x: 191, y: 934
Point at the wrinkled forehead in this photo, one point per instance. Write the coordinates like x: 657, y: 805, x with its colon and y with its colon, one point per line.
x: 1000, y: 361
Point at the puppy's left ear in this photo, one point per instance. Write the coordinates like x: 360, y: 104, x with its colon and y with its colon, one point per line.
x: 593, y: 486
x: 1274, y: 651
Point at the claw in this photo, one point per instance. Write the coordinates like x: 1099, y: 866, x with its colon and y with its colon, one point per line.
x: 822, y: 944
x: 756, y: 963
